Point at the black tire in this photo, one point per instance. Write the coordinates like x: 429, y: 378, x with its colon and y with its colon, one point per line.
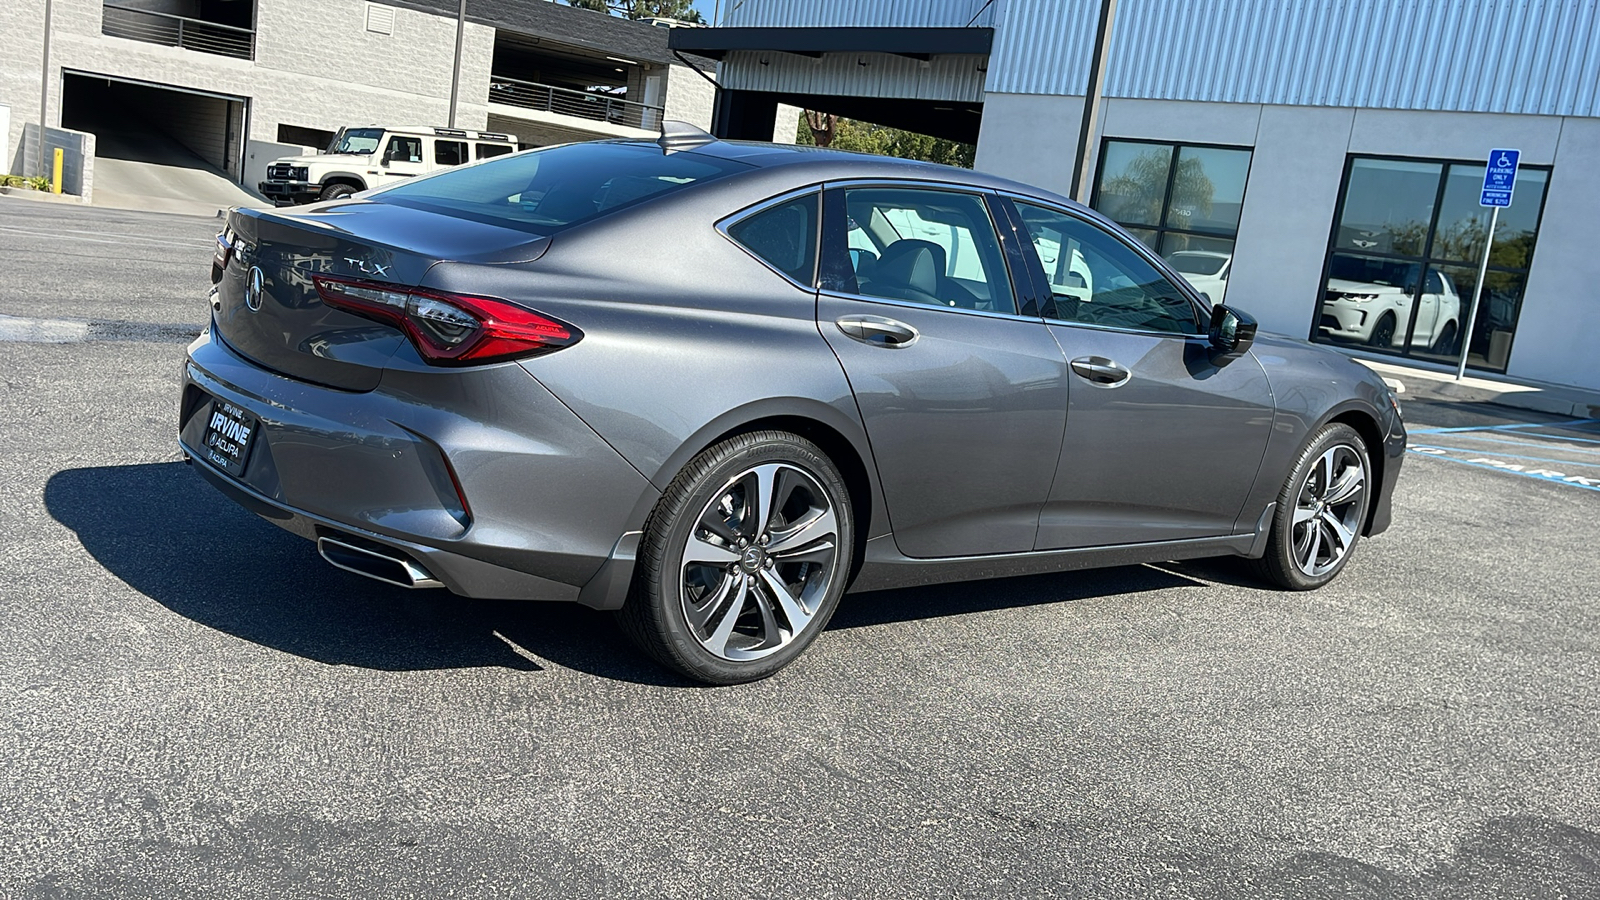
x: 1446, y: 341
x: 336, y: 192
x: 710, y: 503
x: 1292, y: 545
x: 1383, y: 332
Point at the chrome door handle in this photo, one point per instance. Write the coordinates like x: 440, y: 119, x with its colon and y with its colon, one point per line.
x: 878, y: 331
x: 1101, y: 372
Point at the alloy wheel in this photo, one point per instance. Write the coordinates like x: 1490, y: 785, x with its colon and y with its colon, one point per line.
x: 758, y: 562
x: 1328, y: 511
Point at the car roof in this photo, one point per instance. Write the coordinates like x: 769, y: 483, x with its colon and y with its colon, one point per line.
x: 807, y: 165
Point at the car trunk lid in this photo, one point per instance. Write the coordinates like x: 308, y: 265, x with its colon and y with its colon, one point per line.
x: 267, y: 306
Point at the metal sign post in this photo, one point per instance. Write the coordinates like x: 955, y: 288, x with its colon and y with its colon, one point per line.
x: 1499, y: 180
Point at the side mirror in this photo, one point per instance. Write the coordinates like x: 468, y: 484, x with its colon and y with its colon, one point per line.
x: 1232, y: 333
x: 384, y: 162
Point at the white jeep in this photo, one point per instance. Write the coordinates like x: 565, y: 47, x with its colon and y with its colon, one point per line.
x: 373, y: 156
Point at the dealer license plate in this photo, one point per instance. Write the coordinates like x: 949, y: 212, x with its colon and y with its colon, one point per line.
x: 229, y: 433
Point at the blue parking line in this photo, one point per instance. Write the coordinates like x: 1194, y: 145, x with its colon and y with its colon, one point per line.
x: 1512, y: 427
x: 1489, y: 440
x: 1422, y: 448
x: 1546, y: 478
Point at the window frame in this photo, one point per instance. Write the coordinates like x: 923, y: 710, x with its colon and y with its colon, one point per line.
x: 1161, y: 228
x: 1425, y: 260
x: 1023, y: 289
x: 727, y: 222
x: 1095, y: 219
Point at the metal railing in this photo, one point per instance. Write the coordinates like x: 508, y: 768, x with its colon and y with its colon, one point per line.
x: 568, y: 102
x: 177, y: 31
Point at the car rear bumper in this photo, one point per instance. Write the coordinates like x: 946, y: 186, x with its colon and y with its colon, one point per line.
x: 479, y: 475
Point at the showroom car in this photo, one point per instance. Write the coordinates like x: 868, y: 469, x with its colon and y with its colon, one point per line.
x: 1370, y: 301
x: 713, y: 385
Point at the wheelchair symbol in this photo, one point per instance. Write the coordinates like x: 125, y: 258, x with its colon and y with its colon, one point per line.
x: 1503, y: 162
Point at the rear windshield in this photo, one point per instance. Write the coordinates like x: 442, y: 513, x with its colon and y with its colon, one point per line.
x: 546, y: 191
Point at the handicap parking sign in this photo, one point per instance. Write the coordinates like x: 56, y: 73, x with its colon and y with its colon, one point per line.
x: 1499, y: 178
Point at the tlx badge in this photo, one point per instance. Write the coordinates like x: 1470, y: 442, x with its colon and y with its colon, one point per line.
x: 368, y: 267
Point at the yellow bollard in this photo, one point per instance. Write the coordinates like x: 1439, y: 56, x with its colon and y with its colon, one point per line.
x: 55, y: 174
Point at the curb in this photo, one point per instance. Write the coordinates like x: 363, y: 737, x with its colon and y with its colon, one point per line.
x: 1424, y: 384
x: 45, y: 196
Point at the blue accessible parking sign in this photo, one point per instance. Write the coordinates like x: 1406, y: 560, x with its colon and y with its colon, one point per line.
x: 1499, y: 178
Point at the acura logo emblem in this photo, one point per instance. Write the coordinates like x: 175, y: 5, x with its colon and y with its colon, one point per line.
x: 252, y: 289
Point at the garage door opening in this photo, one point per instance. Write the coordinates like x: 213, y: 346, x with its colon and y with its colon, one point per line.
x: 158, y: 143
x: 146, y: 123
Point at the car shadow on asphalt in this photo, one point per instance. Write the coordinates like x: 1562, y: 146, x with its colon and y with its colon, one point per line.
x: 175, y: 539
x: 162, y: 530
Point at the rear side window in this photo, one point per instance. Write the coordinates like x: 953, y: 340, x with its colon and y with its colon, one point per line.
x: 546, y: 191
x: 449, y: 153
x: 784, y: 236
x: 485, y: 151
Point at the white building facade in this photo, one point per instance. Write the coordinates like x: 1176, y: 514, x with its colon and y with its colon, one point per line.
x: 1315, y: 164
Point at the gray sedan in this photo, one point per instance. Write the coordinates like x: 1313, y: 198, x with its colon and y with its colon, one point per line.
x: 713, y: 385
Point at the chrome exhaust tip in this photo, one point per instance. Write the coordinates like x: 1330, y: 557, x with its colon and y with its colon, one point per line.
x: 387, y: 566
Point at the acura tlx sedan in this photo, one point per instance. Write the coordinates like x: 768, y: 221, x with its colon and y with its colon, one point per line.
x: 713, y: 385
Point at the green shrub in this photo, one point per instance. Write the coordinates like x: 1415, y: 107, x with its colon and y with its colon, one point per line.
x: 13, y: 181
x: 39, y: 183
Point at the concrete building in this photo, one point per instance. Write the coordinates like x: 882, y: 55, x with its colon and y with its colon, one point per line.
x: 1317, y: 164
x: 232, y: 84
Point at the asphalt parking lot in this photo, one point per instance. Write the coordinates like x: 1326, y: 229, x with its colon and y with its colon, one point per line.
x: 195, y: 705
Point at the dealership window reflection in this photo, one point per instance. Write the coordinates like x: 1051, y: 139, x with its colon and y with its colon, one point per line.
x: 1181, y: 200
x: 1404, y: 261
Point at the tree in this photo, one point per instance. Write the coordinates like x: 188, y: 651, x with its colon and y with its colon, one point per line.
x: 682, y: 10
x: 827, y: 130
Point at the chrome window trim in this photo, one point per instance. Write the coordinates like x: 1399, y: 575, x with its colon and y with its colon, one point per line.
x: 949, y: 188
x: 908, y: 304
x: 1139, y: 249
x: 734, y: 218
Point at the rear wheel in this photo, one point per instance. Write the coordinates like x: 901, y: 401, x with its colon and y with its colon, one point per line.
x: 1446, y: 341
x: 336, y: 192
x: 1321, y: 511
x: 743, y: 560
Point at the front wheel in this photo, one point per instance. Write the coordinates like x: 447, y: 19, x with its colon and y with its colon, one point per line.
x: 1383, y: 332
x: 1321, y: 511
x: 743, y: 560
x: 336, y: 192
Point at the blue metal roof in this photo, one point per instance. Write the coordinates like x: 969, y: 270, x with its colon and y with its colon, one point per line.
x: 1515, y: 56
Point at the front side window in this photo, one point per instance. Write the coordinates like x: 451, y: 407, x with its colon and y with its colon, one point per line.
x: 449, y: 153
x: 1403, y: 263
x: 784, y: 236
x: 926, y: 246
x: 1097, y: 279
x: 1182, y: 200
x: 404, y: 149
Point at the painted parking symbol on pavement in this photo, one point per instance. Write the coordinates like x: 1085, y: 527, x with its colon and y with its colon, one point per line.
x: 1566, y: 453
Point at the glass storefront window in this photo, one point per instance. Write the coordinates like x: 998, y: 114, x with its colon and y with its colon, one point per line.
x: 1404, y: 260
x: 1181, y: 200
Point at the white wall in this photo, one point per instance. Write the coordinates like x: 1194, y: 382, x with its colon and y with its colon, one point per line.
x: 5, y: 140
x: 690, y: 98
x: 1031, y: 138
x: 1288, y: 215
x: 786, y: 124
x: 1557, y: 332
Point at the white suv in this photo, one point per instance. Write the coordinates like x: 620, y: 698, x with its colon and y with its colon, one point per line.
x: 373, y: 156
x: 1369, y: 300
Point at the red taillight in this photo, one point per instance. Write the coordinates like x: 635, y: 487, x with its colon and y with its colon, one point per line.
x: 450, y: 329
